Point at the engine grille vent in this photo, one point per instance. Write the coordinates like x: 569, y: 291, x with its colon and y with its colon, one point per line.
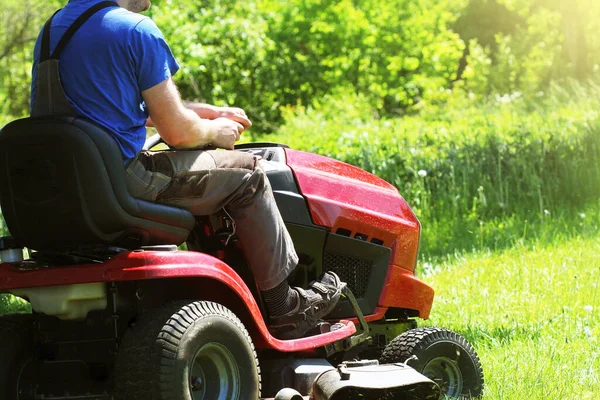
x: 354, y: 271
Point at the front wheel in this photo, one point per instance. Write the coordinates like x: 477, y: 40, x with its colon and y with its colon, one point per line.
x: 187, y: 351
x: 443, y: 356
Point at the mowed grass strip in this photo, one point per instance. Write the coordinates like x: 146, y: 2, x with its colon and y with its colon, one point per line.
x: 531, y: 313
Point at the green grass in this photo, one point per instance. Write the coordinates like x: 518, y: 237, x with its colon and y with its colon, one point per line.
x: 443, y: 239
x: 531, y: 312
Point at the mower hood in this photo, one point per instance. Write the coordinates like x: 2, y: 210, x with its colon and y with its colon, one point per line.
x: 356, y: 203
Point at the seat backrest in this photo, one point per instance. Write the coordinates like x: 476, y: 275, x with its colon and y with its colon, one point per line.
x: 62, y: 184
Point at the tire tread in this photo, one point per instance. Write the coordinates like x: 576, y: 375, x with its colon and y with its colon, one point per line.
x: 149, y: 348
x: 416, y: 340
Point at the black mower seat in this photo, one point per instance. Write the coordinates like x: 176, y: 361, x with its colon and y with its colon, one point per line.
x: 62, y: 185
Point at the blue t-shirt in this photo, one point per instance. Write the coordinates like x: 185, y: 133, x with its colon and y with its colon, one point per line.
x: 106, y: 65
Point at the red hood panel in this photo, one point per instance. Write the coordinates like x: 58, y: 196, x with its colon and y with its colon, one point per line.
x: 340, y: 195
x: 335, y: 169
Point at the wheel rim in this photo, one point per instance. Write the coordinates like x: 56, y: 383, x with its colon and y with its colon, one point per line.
x: 446, y: 373
x: 214, y: 374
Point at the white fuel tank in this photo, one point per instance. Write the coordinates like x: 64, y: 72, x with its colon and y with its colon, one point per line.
x: 66, y: 302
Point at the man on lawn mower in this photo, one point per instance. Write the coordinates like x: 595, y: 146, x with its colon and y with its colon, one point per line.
x: 116, y: 69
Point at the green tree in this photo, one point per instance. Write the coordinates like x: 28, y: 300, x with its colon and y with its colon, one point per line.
x: 400, y: 52
x: 524, y: 45
x: 222, y: 48
x: 269, y: 53
x: 20, y: 24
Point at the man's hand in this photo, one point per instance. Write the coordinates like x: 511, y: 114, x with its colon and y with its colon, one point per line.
x: 207, y: 111
x: 235, y: 114
x: 225, y: 132
x: 193, y: 125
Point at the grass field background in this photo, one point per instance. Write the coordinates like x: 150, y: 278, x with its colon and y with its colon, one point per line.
x: 532, y: 314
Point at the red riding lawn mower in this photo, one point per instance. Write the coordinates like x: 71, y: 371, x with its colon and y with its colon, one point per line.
x: 120, y: 312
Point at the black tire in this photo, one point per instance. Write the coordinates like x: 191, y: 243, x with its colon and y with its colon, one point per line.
x: 169, y: 348
x: 443, y: 356
x: 16, y: 350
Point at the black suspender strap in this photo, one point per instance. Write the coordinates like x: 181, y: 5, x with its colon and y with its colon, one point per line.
x: 45, y: 54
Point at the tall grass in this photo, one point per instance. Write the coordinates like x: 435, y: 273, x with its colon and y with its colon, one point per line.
x: 468, y: 168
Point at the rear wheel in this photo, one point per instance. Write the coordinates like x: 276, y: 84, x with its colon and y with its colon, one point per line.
x: 443, y: 356
x: 16, y: 351
x: 187, y: 351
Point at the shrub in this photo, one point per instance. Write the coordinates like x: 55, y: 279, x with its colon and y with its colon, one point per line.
x: 12, y: 305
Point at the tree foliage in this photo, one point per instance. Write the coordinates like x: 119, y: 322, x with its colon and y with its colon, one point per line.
x: 526, y: 45
x: 20, y: 23
x: 401, y: 55
x: 267, y: 53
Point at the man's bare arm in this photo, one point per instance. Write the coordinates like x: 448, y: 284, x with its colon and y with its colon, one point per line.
x: 183, y: 128
x: 208, y: 111
x: 212, y: 112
